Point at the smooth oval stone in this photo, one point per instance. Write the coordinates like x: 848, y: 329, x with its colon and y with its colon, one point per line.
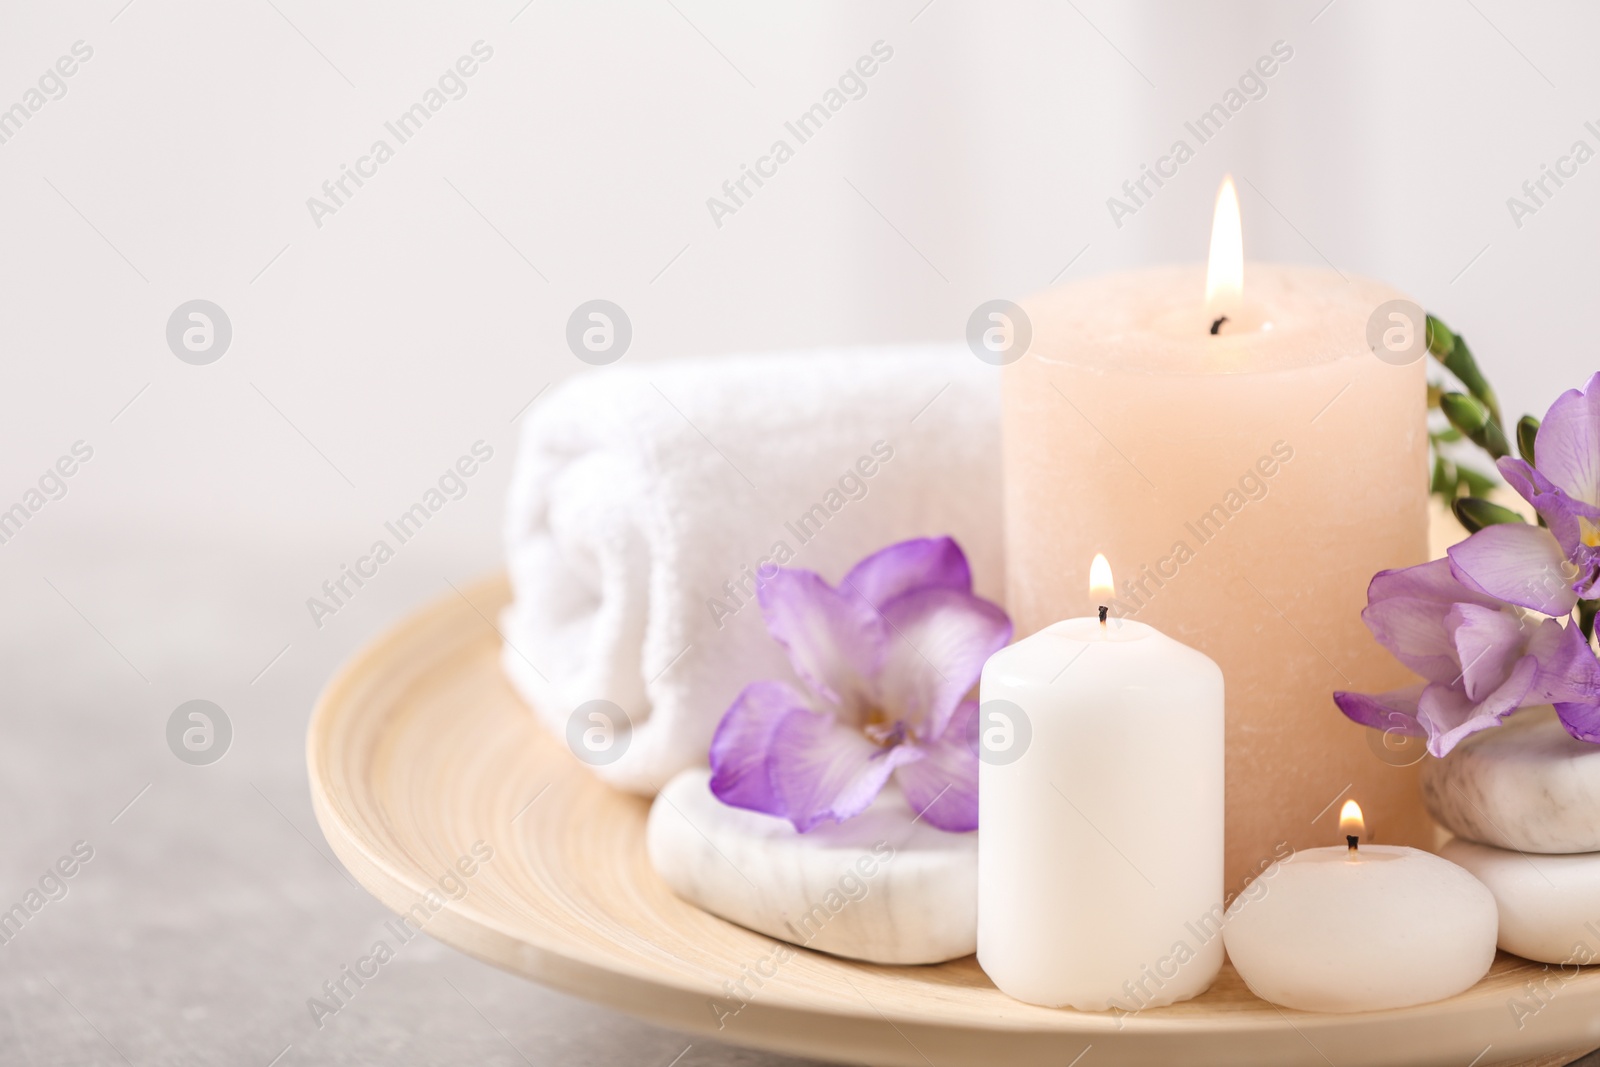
x: 1549, y: 905
x: 881, y: 887
x: 1527, y: 786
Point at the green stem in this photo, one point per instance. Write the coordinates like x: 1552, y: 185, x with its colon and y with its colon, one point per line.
x: 1473, y: 415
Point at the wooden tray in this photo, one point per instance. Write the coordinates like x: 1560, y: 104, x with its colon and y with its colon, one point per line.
x: 418, y: 749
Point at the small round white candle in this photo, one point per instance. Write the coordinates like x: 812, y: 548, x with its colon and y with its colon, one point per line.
x: 1100, y: 845
x: 1361, y: 929
x: 1549, y: 905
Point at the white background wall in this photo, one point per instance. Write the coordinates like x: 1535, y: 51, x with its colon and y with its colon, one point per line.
x: 406, y: 327
x: 370, y: 352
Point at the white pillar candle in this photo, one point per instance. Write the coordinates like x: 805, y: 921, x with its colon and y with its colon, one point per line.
x: 1100, y: 818
x: 1549, y: 905
x: 1361, y: 929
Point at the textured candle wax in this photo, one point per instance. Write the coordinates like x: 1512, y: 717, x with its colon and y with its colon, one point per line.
x: 1100, y: 818
x: 1247, y: 486
x: 1382, y: 927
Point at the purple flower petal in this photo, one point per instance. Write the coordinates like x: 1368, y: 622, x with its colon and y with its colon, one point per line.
x: 926, y: 562
x: 1413, y: 632
x: 835, y: 640
x: 1582, y: 720
x: 1450, y: 716
x: 1567, y: 449
x: 1406, y: 612
x: 1432, y: 582
x: 1587, y: 585
x: 1564, y: 514
x: 1520, y: 476
x: 1457, y: 621
x: 740, y: 748
x: 1568, y: 669
x: 938, y: 642
x: 1488, y: 645
x: 823, y: 770
x: 942, y: 787
x: 888, y: 659
x: 1395, y: 710
x: 1518, y: 563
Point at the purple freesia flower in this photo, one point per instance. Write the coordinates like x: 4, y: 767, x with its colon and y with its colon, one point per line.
x: 1547, y: 570
x: 1482, y: 659
x: 888, y: 660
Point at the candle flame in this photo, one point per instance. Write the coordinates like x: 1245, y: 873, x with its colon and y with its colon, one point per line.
x: 1225, y: 267
x: 1101, y: 587
x: 1351, y: 822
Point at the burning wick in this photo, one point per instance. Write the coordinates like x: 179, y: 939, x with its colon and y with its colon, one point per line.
x: 1101, y: 584
x: 1351, y: 824
x: 1225, y: 263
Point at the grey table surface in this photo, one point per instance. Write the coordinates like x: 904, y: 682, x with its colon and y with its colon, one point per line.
x: 212, y: 909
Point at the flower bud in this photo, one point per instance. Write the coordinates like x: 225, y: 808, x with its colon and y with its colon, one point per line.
x: 1474, y: 513
x: 1467, y: 414
x: 1459, y: 361
x: 1527, y: 430
x: 1476, y: 419
x: 1440, y: 339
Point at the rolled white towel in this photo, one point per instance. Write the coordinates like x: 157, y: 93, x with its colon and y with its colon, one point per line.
x: 647, y: 500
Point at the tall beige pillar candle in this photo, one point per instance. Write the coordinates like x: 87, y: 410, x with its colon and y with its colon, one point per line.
x: 1246, y: 485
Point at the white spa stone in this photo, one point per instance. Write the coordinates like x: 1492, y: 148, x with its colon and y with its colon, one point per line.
x: 1549, y: 905
x: 1527, y: 785
x: 1388, y: 927
x: 878, y: 887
